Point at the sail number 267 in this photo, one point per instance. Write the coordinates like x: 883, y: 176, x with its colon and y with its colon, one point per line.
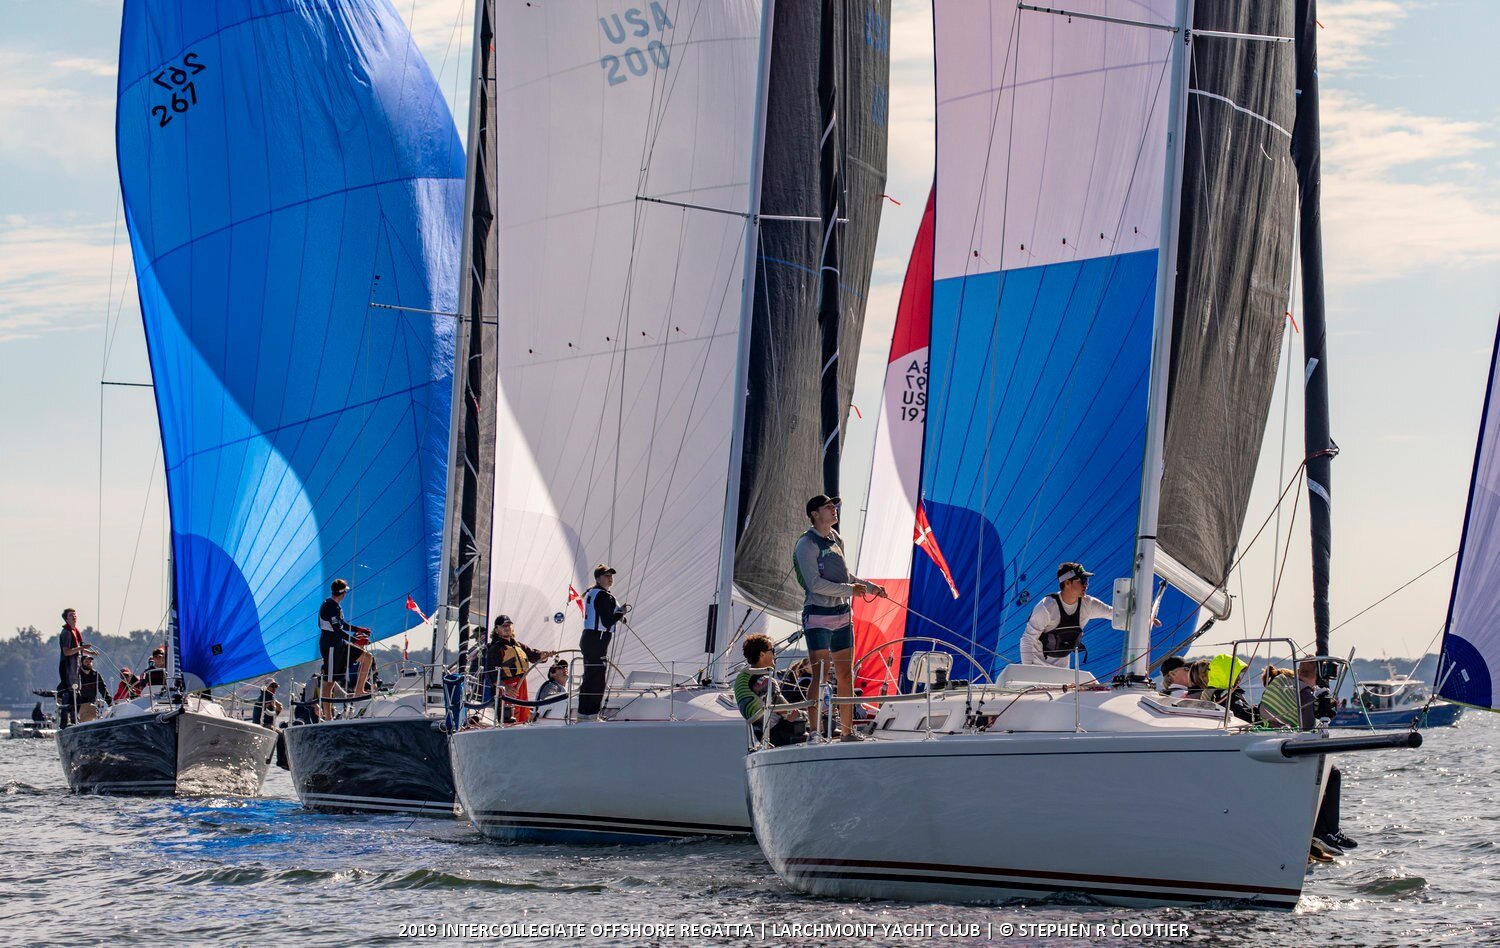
x: 176, y: 78
x: 639, y: 52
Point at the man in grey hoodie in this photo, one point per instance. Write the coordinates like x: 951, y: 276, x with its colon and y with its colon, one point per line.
x: 827, y: 606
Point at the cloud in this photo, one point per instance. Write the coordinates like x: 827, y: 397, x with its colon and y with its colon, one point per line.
x: 56, y: 114
x: 56, y: 277
x: 1402, y: 192
x: 91, y: 67
x: 1352, y: 31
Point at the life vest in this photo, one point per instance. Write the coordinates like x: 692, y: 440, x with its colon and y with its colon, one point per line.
x: 513, y: 662
x: 1063, y: 640
x: 1220, y: 675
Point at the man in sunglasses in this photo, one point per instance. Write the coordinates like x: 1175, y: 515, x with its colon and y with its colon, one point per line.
x: 1055, y: 629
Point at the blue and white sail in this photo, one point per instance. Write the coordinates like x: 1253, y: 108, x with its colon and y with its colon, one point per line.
x: 1051, y: 144
x: 293, y: 185
x: 1470, y: 658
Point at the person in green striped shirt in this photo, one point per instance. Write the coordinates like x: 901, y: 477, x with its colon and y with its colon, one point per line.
x: 755, y: 686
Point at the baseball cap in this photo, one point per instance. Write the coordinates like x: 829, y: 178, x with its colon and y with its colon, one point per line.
x: 819, y: 500
x: 339, y: 585
x: 1171, y: 664
x: 601, y: 569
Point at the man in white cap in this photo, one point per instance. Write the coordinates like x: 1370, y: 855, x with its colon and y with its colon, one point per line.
x: 1055, y: 629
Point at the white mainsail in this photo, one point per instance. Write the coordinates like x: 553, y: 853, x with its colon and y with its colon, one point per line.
x: 624, y: 153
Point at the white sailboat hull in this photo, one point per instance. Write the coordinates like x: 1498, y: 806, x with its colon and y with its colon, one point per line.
x: 1128, y: 819
x: 606, y: 781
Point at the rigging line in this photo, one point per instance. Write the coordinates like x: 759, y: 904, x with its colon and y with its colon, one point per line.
x: 1394, y: 591
x: 1276, y: 588
x: 973, y: 629
x: 935, y: 441
x: 667, y: 493
x: 140, y: 529
x: 661, y: 381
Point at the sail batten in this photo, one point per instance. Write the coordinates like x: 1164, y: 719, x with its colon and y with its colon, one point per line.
x: 286, y: 168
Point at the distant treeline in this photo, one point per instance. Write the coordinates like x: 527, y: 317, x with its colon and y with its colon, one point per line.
x: 29, y: 660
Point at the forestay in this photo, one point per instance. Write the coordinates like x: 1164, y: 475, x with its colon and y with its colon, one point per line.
x: 1051, y: 134
x: 1471, y: 639
x: 285, y: 167
x: 619, y: 314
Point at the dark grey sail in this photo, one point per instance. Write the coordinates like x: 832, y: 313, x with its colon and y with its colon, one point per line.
x: 1234, y: 272
x: 1317, y: 439
x: 786, y: 412
x: 471, y: 483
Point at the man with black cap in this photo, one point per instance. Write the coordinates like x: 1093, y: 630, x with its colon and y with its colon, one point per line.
x: 1055, y: 629
x: 600, y: 613
x: 336, y: 641
x: 827, y: 606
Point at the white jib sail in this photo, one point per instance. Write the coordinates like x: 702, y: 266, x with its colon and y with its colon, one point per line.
x: 619, y: 316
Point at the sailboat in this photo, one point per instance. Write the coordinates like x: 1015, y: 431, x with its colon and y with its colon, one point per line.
x: 1111, y: 261
x: 387, y: 751
x: 687, y: 198
x: 286, y: 173
x: 1471, y: 647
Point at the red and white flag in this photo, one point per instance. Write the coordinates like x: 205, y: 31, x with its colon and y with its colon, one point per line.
x: 574, y: 597
x: 411, y: 606
x: 924, y: 538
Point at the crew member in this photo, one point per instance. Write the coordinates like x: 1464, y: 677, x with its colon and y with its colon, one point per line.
x: 72, y: 648
x: 757, y: 690
x: 336, y: 641
x: 156, y: 672
x: 1316, y: 710
x: 1055, y: 630
x: 600, y: 613
x: 827, y: 605
x: 127, y: 688
x: 267, y: 707
x: 91, y: 688
x: 555, y: 685
x: 509, y: 660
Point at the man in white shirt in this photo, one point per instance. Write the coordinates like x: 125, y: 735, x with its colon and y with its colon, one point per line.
x: 1055, y: 629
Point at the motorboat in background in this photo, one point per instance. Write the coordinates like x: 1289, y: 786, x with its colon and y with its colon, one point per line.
x: 291, y: 241
x: 1396, y: 702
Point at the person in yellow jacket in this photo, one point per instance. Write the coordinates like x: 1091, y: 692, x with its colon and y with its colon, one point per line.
x: 1218, y: 680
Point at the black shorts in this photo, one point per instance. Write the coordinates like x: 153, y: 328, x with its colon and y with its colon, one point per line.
x: 343, y: 656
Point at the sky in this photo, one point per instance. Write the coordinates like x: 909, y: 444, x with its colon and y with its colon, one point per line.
x: 1411, y: 149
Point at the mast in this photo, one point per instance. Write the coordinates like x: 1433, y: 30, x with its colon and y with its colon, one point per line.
x: 1317, y: 439
x: 830, y: 308
x: 721, y: 612
x: 461, y: 528
x: 1138, y: 636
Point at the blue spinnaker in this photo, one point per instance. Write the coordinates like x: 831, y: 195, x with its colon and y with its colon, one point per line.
x: 291, y: 171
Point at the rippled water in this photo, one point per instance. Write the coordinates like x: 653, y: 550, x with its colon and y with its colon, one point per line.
x: 99, y: 869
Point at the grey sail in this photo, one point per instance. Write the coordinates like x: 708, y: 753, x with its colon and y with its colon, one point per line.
x: 1239, y: 190
x: 471, y: 467
x: 784, y: 436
